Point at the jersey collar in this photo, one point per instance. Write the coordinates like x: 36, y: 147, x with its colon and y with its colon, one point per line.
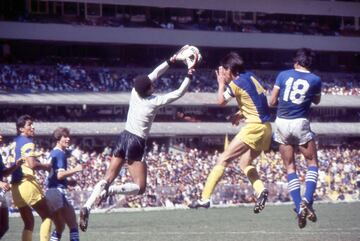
x: 302, y: 70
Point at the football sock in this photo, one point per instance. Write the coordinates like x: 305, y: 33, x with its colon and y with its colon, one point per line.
x: 213, y: 178
x: 27, y: 235
x: 55, y: 236
x: 310, y: 182
x: 99, y: 187
x: 45, y: 229
x: 253, y: 176
x: 74, y: 234
x: 294, y: 189
x: 126, y: 189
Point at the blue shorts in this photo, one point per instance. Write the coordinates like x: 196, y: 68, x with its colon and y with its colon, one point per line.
x: 57, y: 198
x: 130, y: 147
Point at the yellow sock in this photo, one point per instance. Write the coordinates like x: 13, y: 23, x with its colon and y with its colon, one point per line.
x: 45, y: 229
x: 26, y: 235
x: 252, y: 174
x: 213, y: 178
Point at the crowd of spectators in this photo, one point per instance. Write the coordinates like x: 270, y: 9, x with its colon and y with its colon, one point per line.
x: 199, y: 20
x: 176, y: 176
x: 72, y: 78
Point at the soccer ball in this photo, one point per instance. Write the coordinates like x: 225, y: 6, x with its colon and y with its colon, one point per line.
x: 190, y: 55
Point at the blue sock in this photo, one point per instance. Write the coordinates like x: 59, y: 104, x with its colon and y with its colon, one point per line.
x: 310, y: 181
x: 55, y: 236
x: 294, y: 189
x: 74, y: 234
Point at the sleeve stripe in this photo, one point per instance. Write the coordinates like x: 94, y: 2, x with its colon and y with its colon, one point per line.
x: 231, y: 91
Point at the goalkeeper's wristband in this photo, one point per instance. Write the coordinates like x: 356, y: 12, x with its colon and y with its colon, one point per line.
x: 190, y: 76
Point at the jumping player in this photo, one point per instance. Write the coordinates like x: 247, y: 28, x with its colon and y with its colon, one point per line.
x: 293, y: 93
x: 130, y: 148
x: 56, y: 195
x: 235, y: 82
x: 4, y: 187
x: 26, y: 191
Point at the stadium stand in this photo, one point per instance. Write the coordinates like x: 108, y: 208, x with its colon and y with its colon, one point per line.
x: 176, y: 174
x: 60, y: 60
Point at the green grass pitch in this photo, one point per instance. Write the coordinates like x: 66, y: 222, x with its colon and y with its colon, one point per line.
x: 335, y: 222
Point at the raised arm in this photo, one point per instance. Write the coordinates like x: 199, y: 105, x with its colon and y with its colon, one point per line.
x: 158, y: 71
x: 176, y: 94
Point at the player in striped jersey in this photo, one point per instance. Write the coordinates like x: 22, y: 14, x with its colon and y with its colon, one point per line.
x: 235, y: 82
x: 26, y: 190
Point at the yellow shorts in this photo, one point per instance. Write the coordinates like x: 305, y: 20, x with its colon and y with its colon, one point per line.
x: 26, y: 193
x: 256, y: 135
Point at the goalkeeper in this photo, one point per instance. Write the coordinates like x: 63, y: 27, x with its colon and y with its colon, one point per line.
x: 130, y: 147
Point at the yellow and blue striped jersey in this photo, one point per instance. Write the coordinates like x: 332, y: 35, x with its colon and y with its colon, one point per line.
x: 21, y: 147
x: 250, y: 95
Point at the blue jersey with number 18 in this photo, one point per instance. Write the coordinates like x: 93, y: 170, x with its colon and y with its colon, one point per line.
x: 297, y: 90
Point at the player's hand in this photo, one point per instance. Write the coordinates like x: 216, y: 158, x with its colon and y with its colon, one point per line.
x: 19, y: 162
x: 191, y: 71
x: 5, y: 186
x: 236, y: 118
x: 177, y: 56
x: 79, y: 167
x: 222, y: 76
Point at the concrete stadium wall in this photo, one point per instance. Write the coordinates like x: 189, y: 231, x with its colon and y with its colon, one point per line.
x: 116, y: 35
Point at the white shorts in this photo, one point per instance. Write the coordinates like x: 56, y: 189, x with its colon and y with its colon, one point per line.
x: 56, y: 198
x: 293, y: 131
x: 3, y: 202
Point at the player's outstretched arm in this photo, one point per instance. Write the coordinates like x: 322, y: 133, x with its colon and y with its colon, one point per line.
x: 158, y: 71
x: 64, y: 174
x: 34, y: 164
x: 67, y: 173
x: 176, y: 94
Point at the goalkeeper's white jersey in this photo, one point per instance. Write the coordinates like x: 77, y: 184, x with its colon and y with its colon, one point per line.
x: 142, y: 111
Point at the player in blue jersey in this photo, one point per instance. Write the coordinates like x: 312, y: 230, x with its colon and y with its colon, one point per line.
x: 294, y: 92
x: 4, y: 187
x: 26, y: 191
x: 235, y: 82
x: 57, y: 182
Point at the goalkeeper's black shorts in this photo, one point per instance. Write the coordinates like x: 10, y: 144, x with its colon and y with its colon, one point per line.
x: 130, y: 147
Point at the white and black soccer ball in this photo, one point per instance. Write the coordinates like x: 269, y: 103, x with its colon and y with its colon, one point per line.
x: 190, y: 55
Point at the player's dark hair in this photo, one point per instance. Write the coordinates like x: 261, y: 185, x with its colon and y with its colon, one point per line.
x: 304, y: 57
x: 60, y: 132
x: 142, y: 85
x: 234, y: 62
x: 21, y: 122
